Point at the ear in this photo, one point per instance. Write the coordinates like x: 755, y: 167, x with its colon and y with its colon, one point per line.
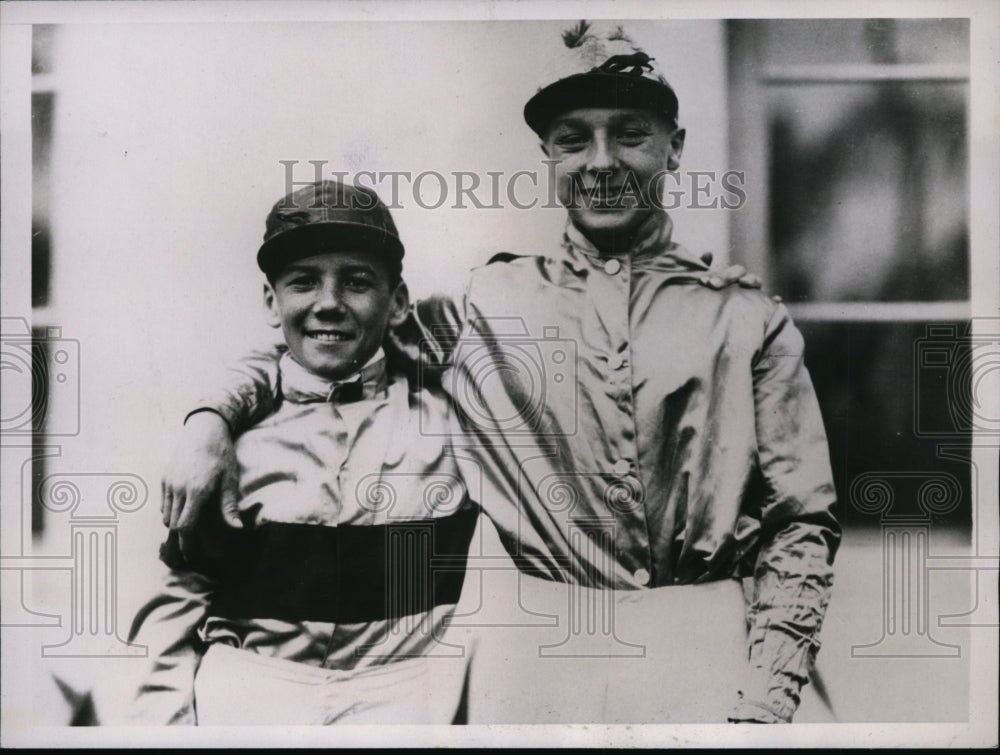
x: 399, y: 305
x: 544, y: 148
x: 676, y: 148
x: 272, y: 315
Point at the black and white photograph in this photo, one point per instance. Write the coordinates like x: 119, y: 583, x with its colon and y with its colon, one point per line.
x: 499, y: 374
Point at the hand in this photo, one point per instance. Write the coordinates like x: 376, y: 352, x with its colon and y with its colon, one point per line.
x: 716, y: 279
x: 202, y: 470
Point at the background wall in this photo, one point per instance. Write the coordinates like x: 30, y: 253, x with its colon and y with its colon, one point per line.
x: 165, y: 162
x: 164, y: 158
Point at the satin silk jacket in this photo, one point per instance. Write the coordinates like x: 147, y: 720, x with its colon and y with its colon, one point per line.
x: 332, y: 463
x: 625, y: 426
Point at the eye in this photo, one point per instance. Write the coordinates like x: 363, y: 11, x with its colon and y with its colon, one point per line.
x: 300, y: 282
x: 571, y: 141
x: 360, y: 282
x: 633, y: 135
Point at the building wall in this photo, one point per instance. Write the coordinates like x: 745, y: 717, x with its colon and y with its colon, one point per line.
x: 164, y: 160
x: 167, y: 142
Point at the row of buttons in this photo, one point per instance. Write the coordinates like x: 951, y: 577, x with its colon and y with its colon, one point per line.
x: 613, y: 267
x: 622, y: 467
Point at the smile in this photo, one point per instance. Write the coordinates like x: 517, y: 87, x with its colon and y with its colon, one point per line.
x: 611, y: 198
x: 604, y: 194
x: 329, y: 336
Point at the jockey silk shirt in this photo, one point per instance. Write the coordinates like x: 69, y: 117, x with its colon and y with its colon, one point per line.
x: 626, y: 427
x: 328, y: 459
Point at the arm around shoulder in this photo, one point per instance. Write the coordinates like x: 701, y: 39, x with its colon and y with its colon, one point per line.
x: 202, y: 468
x: 245, y: 391
x: 424, y: 343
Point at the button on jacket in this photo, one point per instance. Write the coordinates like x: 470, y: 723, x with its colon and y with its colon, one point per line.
x: 351, y: 454
x: 624, y: 426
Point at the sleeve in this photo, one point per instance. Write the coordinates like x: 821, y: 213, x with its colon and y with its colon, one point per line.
x: 168, y: 626
x: 423, y: 345
x: 793, y: 575
x: 245, y: 392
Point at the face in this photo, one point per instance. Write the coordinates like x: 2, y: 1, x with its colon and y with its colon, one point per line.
x: 610, y: 166
x: 334, y: 310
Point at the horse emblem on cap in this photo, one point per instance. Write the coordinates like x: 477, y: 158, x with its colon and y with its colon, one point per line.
x: 637, y: 63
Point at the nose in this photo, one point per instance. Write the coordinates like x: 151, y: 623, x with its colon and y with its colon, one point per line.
x: 329, y: 301
x: 602, y: 157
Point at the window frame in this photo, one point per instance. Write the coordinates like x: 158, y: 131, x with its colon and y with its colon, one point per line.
x: 750, y: 151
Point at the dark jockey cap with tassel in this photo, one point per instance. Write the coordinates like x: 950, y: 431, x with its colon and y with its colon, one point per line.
x: 616, y: 74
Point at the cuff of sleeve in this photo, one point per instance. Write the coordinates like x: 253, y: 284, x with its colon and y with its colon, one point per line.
x: 196, y: 561
x: 776, y: 692
x: 170, y: 552
x: 225, y: 418
x: 748, y: 711
x: 764, y: 692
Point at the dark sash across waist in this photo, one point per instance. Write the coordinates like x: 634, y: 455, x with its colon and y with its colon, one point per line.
x: 345, y: 574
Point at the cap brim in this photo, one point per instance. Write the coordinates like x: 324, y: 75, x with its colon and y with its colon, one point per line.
x: 598, y: 89
x: 321, y: 238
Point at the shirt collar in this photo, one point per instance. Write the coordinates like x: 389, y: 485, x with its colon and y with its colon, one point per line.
x: 301, y: 386
x: 653, y: 247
